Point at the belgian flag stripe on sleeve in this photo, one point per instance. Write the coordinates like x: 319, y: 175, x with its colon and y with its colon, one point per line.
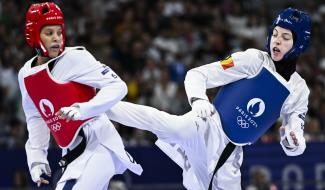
x: 227, y: 63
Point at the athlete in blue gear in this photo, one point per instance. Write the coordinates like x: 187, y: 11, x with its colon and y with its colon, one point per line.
x: 198, y: 140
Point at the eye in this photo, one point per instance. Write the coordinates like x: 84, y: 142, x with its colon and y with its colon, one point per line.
x: 287, y: 37
x: 275, y: 33
x: 48, y: 33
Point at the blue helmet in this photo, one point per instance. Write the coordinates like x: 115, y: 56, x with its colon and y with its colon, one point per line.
x: 299, y: 23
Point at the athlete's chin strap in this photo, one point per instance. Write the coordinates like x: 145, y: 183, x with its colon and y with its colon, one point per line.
x: 223, y: 158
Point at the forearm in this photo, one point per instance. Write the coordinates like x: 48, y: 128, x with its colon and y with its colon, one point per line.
x: 195, y: 86
x: 292, y: 138
x: 106, y: 98
x: 35, y: 154
x: 296, y: 122
x: 38, y: 139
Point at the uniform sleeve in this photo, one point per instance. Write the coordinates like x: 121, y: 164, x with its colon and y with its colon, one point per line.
x: 297, y: 118
x: 87, y: 70
x: 237, y: 66
x: 294, y: 117
x: 38, y: 133
x: 296, y: 107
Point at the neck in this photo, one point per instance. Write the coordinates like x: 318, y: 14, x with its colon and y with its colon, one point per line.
x: 41, y: 60
x: 286, y: 67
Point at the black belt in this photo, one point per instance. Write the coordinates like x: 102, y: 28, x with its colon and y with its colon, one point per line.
x: 223, y: 158
x: 74, y: 153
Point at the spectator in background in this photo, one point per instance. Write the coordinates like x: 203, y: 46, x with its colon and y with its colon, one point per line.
x: 260, y: 180
x: 16, y: 137
x: 20, y: 180
x: 313, y: 130
x: 139, y: 138
x: 164, y: 90
x: 117, y: 185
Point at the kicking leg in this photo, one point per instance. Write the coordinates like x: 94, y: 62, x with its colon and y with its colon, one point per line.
x: 168, y: 127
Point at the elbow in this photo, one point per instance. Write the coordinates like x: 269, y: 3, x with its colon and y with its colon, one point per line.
x: 195, y: 77
x: 116, y: 91
x: 188, y: 76
x: 124, y: 89
x: 189, y: 73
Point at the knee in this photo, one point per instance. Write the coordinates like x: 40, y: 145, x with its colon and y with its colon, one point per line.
x: 182, y: 128
x: 169, y: 125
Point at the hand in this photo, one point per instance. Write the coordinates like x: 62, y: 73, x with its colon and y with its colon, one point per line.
x: 293, y: 143
x: 70, y: 113
x: 203, y: 108
x: 37, y: 170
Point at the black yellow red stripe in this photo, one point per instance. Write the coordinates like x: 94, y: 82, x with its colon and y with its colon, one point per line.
x: 227, y: 63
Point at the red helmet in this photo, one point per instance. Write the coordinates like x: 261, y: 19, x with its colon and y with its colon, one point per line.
x: 39, y: 15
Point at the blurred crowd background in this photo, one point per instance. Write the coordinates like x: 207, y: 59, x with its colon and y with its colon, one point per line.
x: 151, y: 44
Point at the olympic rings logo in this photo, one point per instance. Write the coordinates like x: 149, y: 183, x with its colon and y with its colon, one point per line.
x: 56, y: 127
x: 242, y: 122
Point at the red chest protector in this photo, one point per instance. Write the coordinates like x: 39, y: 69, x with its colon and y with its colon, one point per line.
x: 49, y: 96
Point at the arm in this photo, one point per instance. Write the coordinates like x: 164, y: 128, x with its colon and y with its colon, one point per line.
x: 38, y: 138
x: 90, y: 72
x: 292, y: 135
x: 107, y: 97
x: 240, y: 65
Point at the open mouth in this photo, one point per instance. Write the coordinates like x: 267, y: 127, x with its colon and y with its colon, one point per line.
x: 276, y: 50
x: 55, y: 46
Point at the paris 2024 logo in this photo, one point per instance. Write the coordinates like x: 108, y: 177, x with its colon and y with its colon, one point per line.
x: 47, y: 110
x: 255, y: 108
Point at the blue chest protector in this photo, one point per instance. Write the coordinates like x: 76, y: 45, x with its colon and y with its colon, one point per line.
x: 249, y: 107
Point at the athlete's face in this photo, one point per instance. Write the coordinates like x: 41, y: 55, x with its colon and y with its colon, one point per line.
x: 281, y: 42
x: 51, y: 37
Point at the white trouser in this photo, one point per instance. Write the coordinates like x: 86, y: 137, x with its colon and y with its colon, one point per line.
x: 100, y: 168
x: 200, y: 143
x: 103, y: 157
